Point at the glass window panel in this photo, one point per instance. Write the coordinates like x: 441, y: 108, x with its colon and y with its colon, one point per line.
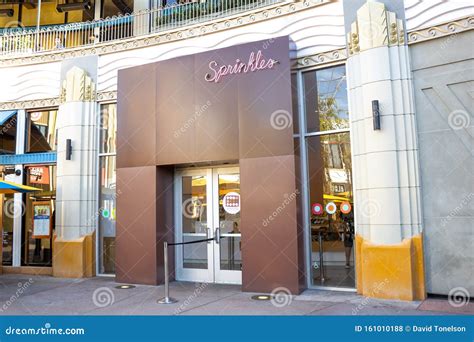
x: 331, y: 203
x: 108, y: 128
x: 38, y: 252
x: 326, y: 99
x: 194, y: 221
x: 8, y: 213
x: 107, y: 211
x: 8, y: 134
x: 294, y: 101
x: 229, y: 223
x: 41, y: 131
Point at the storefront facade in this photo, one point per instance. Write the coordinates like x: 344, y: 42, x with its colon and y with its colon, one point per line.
x: 295, y: 151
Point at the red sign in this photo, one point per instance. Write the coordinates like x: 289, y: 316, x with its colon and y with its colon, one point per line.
x: 317, y: 209
x: 39, y: 175
x: 255, y: 62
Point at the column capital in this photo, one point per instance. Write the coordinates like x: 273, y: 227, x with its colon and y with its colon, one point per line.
x: 374, y: 27
x: 77, y: 86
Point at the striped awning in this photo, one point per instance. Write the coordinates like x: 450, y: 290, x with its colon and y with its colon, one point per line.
x: 11, y: 188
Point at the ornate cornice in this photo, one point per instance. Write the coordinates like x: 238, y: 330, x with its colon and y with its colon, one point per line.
x: 319, y: 59
x: 105, y: 96
x: 222, y: 24
x: 441, y: 30
x: 30, y: 104
x: 374, y: 27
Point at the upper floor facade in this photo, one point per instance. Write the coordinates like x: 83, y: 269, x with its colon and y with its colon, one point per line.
x: 30, y: 58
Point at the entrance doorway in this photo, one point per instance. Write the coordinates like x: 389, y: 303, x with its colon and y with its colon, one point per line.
x: 207, y: 206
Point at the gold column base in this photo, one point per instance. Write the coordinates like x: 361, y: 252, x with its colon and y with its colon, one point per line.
x: 74, y: 258
x: 391, y: 271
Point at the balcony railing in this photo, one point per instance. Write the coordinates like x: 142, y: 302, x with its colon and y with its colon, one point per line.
x: 26, y: 41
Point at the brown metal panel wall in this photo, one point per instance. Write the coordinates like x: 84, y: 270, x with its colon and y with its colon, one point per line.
x: 192, y: 120
x: 136, y: 235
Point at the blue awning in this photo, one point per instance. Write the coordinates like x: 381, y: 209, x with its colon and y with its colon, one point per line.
x: 5, y: 115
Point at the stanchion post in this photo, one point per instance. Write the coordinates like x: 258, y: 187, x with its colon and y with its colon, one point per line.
x: 321, y: 258
x: 167, y: 299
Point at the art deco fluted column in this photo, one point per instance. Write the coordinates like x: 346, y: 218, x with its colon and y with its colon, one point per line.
x: 385, y: 163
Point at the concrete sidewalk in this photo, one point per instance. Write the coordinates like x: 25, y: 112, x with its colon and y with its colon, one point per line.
x: 39, y: 295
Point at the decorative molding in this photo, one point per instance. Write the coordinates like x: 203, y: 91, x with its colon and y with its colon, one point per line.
x: 221, y: 24
x: 441, y: 30
x: 30, y: 104
x: 319, y: 59
x: 374, y: 27
x: 107, y: 96
x: 77, y: 87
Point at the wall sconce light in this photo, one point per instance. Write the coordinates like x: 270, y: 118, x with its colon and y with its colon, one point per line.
x: 68, y: 149
x: 376, y: 114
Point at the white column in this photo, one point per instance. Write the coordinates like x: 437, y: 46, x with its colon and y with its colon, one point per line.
x: 76, y: 198
x: 386, y: 182
x: 18, y: 205
x: 141, y: 22
x: 19, y: 208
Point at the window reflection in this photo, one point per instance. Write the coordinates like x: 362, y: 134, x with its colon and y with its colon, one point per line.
x: 7, y: 213
x: 107, y: 218
x: 108, y: 194
x: 194, y: 221
x: 331, y: 202
x: 326, y: 99
x: 41, y: 131
x: 38, y: 251
x: 8, y: 121
x: 108, y: 128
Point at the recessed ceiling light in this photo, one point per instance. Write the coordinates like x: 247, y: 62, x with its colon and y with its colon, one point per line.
x: 124, y: 287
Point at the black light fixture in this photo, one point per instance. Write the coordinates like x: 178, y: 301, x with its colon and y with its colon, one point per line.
x: 6, y: 12
x: 68, y: 149
x: 74, y: 6
x: 376, y: 114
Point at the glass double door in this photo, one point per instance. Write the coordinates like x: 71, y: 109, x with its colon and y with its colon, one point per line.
x: 207, y: 206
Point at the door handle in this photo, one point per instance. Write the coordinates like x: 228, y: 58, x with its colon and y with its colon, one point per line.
x: 217, y: 235
x: 208, y: 234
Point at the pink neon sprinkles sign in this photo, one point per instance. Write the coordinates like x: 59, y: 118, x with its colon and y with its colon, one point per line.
x: 255, y: 62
